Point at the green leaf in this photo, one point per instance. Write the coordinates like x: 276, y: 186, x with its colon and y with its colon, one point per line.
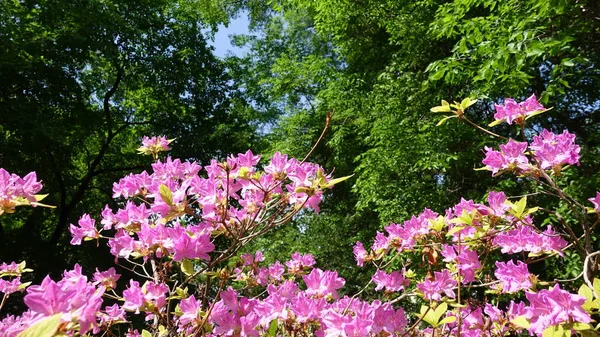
x: 582, y: 326
x: 521, y: 321
x: 44, y: 328
x: 443, y: 120
x: 455, y: 229
x: 467, y: 102
x: 496, y: 122
x: 586, y: 292
x: 187, y: 267
x: 596, y: 286
x: 24, y: 285
x: 166, y: 194
x: 146, y: 333
x: 272, y: 332
x: 332, y: 182
x: 568, y: 63
x: 445, y: 107
x: 447, y: 320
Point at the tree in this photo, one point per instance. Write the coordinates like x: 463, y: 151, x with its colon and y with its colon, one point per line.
x: 85, y: 81
x: 380, y: 65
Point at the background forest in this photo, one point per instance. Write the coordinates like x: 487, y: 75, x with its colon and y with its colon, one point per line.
x: 83, y: 81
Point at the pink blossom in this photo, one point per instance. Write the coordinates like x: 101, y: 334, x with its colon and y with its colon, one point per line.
x: 323, y: 283
x: 442, y: 282
x: 524, y: 238
x: 512, y: 111
x: 513, y: 277
x: 106, y: 278
x: 300, y: 262
x: 154, y: 145
x: 468, y: 264
x: 596, y: 202
x: 554, y: 306
x: 553, y: 151
x: 86, y: 229
x: 186, y: 247
x: 17, y: 191
x: 510, y: 157
x: 497, y: 202
x: 12, y: 286
x: 359, y: 253
x: 276, y: 270
x: 394, y: 281
x: 133, y: 296
x: 190, y: 307
x: 113, y: 313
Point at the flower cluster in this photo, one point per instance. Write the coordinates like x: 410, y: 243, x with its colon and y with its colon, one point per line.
x: 154, y: 145
x: 548, y: 150
x: 74, y: 298
x: 180, y: 227
x: 513, y: 112
x: 10, y: 277
x: 181, y: 211
x: 17, y: 191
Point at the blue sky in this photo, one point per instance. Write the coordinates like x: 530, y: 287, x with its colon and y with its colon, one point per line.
x: 222, y: 42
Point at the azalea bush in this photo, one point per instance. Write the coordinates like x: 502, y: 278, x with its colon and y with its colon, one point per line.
x: 181, y: 232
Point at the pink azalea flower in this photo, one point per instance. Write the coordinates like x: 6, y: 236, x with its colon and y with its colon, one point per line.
x: 10, y: 286
x: 133, y: 296
x: 190, y: 307
x: 106, y: 278
x: 596, y: 202
x: 511, y: 156
x: 394, y: 281
x: 554, y: 306
x: 112, y: 313
x: 359, y: 253
x: 86, y: 229
x: 524, y: 238
x: 443, y: 282
x: 323, y: 283
x: 300, y: 262
x: 497, y: 202
x: 553, y: 151
x: 513, y: 277
x: 512, y: 111
x: 154, y: 145
x: 468, y: 264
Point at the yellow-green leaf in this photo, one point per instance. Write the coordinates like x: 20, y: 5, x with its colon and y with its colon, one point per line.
x: 521, y: 321
x: 496, y: 122
x: 146, y: 333
x: 586, y: 292
x: 582, y: 326
x: 467, y: 102
x: 40, y: 197
x: 44, y: 328
x: 166, y: 194
x: 445, y: 107
x: 455, y: 229
x: 338, y: 180
x: 443, y: 120
x: 187, y: 267
x: 447, y: 320
x: 272, y: 332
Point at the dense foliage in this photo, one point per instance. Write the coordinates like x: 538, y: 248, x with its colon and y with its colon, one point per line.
x: 83, y: 81
x: 380, y: 64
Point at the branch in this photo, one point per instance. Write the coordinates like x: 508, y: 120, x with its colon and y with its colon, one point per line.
x: 109, y: 94
x: 327, y: 123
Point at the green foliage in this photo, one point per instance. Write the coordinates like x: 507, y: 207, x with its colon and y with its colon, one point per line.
x: 381, y: 65
x: 85, y: 80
